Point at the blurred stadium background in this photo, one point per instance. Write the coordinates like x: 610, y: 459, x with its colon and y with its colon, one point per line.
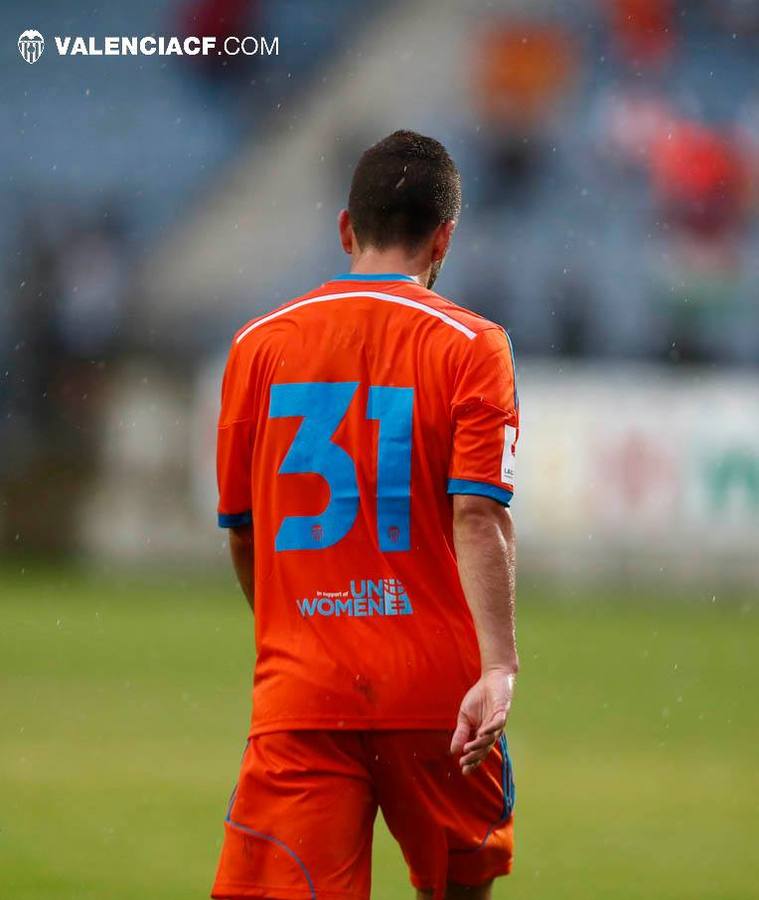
x: 150, y: 206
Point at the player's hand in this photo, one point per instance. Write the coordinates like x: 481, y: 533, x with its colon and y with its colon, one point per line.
x: 482, y: 717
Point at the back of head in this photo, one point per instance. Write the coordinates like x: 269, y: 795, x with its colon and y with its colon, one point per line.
x: 404, y: 187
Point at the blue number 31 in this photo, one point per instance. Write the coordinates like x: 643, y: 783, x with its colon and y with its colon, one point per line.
x: 322, y: 406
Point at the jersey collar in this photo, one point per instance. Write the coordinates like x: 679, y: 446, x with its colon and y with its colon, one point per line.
x: 383, y: 276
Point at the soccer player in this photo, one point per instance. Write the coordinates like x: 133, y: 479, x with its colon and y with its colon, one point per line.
x: 365, y: 465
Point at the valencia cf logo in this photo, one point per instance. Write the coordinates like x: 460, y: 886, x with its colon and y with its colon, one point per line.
x: 31, y: 45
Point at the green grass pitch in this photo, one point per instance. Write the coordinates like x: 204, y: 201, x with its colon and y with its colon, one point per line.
x: 124, y: 706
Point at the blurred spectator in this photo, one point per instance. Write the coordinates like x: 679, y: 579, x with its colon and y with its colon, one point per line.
x: 631, y: 120
x: 523, y: 70
x: 643, y: 30
x: 222, y: 19
x: 699, y: 181
x: 700, y: 193
x: 67, y: 311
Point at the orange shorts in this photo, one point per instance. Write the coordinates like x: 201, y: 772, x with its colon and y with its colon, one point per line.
x: 300, y: 821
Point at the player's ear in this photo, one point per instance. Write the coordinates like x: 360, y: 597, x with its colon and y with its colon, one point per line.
x: 442, y: 239
x: 345, y: 229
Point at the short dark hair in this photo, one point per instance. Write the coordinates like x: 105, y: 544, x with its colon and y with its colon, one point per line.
x: 403, y: 188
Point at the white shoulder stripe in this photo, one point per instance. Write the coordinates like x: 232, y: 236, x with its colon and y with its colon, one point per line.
x: 376, y: 295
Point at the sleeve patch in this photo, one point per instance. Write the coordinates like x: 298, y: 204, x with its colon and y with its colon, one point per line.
x: 508, y: 457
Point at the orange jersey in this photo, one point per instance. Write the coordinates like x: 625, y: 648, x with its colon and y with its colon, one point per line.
x: 349, y: 416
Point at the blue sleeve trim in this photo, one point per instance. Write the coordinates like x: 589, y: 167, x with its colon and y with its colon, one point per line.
x: 462, y: 486
x: 235, y: 520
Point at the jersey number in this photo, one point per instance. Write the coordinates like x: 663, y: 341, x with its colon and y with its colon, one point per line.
x: 322, y: 405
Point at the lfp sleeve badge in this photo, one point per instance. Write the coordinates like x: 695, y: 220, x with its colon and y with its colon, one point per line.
x: 31, y: 45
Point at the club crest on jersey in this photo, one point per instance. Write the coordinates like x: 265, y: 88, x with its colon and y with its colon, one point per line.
x: 31, y: 45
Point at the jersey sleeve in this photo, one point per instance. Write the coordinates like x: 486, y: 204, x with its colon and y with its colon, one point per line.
x: 485, y: 419
x: 234, y: 445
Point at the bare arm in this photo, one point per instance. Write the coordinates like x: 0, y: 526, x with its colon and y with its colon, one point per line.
x: 241, y: 551
x: 483, y: 534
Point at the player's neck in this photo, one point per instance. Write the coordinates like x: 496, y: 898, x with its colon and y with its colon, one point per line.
x: 383, y: 262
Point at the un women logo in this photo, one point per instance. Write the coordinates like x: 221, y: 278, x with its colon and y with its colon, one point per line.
x: 31, y: 45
